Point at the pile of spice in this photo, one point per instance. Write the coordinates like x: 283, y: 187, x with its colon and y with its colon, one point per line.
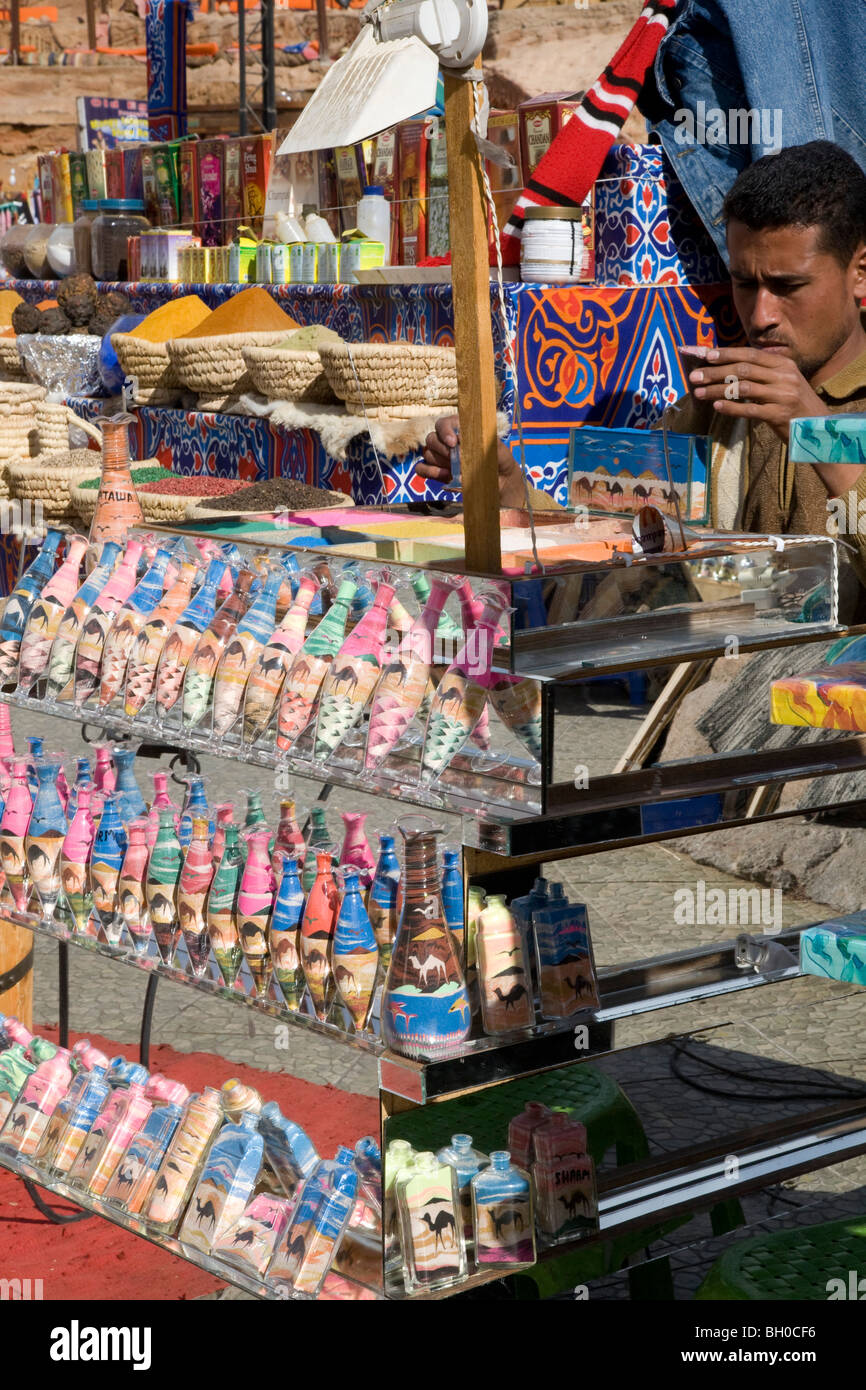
x: 193, y: 487
x: 148, y: 473
x: 278, y: 494
x: 176, y: 319
x: 9, y: 301
x: 251, y: 311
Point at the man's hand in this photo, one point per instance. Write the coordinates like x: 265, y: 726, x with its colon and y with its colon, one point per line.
x: 437, y: 462
x: 767, y: 385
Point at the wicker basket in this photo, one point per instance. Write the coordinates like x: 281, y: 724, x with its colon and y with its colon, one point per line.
x: 148, y: 363
x: 48, y: 480
x: 283, y: 375
x: 19, y: 428
x: 158, y: 509
x: 391, y: 379
x: 53, y: 420
x: 213, y: 365
x: 11, y: 366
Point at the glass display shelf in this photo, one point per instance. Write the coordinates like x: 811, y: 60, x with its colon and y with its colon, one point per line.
x: 249, y: 1283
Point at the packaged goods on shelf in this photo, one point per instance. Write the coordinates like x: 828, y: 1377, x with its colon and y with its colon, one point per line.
x: 413, y: 191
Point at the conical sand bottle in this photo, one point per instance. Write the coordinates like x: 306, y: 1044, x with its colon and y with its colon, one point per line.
x: 452, y: 897
x: 352, y: 676
x: 403, y: 682
x: 61, y: 663
x: 130, y: 802
x: 45, y: 616
x: 255, y: 906
x: 13, y: 830
x: 75, y: 861
x: 199, y: 684
x: 317, y: 935
x: 289, y: 839
x: 147, y: 646
x: 224, y: 816
x: 253, y: 631
x: 163, y: 873
x: 222, y: 908
x: 195, y: 881
x: 117, y: 506
x: 382, y: 899
x: 127, y: 625
x: 91, y: 643
x: 131, y: 897
x: 45, y: 834
x: 318, y: 838
x: 285, y: 934
x: 195, y: 805
x: 356, y: 852
x: 273, y: 661
x: 21, y: 602
x: 355, y: 954
x: 181, y: 641
x: 461, y: 695
x: 425, y: 1007
x: 109, y: 847
x: 309, y: 668
x: 161, y: 802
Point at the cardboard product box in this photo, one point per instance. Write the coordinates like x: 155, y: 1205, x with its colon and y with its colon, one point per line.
x: 189, y: 184
x: 329, y: 193
x: 96, y: 173
x: 438, y: 222
x: 211, y: 164
x: 242, y: 263
x: 114, y: 173
x: 62, y: 188
x: 233, y: 189
x: 386, y: 173
x: 133, y: 258
x: 329, y: 263
x: 45, y: 166
x: 175, y: 242
x: 294, y: 181
x: 78, y: 179
x: 148, y: 255
x: 541, y: 120
x: 257, y: 153
x: 350, y: 182
x: 506, y: 184
x: 166, y: 183
x: 132, y: 180
x: 413, y: 192
x: 149, y: 185
x: 360, y: 254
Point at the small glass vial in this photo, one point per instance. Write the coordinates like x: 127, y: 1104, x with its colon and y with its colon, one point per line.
x: 398, y: 1155
x: 466, y: 1162
x: 503, y: 1213
x: 431, y: 1225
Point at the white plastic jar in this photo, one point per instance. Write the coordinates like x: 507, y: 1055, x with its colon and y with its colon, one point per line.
x: 373, y: 217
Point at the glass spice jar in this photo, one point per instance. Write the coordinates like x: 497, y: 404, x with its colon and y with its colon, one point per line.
x: 117, y: 220
x: 81, y: 234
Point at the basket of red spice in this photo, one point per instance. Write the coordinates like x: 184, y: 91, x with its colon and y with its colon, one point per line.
x: 164, y: 496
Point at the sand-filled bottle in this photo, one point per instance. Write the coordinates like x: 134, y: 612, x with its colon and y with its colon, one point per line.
x: 227, y: 1181
x: 503, y: 1214
x: 163, y: 873
x: 183, y: 1160
x: 21, y: 602
x: 147, y: 647
x: 289, y: 838
x: 425, y: 1006
x: 273, y: 661
x: 222, y: 908
x: 75, y: 860
x: 181, y: 641
x: 504, y: 979
x: 61, y: 663
x: 431, y: 1224
x: 71, y: 1122
x: 91, y: 643
x: 382, y: 899
x: 127, y: 625
x: 254, y: 908
x: 111, y: 1133
x: 161, y: 802
x: 130, y: 802
x: 198, y: 687
x: 118, y: 509
x: 352, y: 677
x: 17, y: 810
x: 466, y: 1162
x: 403, y: 682
x: 460, y: 699
x: 194, y: 805
x: 355, y: 852
x: 310, y: 666
x: 285, y: 935
x: 195, y: 881
x: 39, y: 1097
x: 224, y: 814
x: 106, y: 860
x: 45, y: 835
x: 134, y: 1177
x: 131, y: 898
x: 452, y: 896
x: 317, y: 935
x: 239, y: 657
x: 45, y: 615
x: 318, y: 837
x: 355, y: 952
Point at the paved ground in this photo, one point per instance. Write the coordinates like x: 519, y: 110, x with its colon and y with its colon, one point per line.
x: 773, y: 1034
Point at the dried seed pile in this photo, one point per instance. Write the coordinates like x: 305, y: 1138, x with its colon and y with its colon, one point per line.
x: 276, y: 495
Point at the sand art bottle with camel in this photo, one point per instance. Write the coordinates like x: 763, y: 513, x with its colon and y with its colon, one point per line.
x: 355, y: 952
x: 254, y: 909
x: 431, y: 1224
x: 184, y: 1158
x: 201, y: 669
x: 265, y: 683
x: 285, y: 933
x: 237, y: 661
x: 75, y: 855
x: 226, y: 1183
x: 349, y: 683
x: 310, y: 666
x: 425, y: 1006
x: 46, y: 613
x: 192, y: 891
x: 564, y: 1180
x: 504, y: 979
x: 61, y: 662
x: 317, y: 934
x: 503, y: 1214
x: 163, y: 873
x: 17, y: 811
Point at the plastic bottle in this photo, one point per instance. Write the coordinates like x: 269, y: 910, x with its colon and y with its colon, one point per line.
x: 373, y: 217
x: 317, y: 229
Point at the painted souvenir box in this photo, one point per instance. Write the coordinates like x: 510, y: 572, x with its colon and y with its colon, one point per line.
x: 833, y: 697
x: 621, y: 470
x: 828, y: 439
x: 836, y: 950
x: 646, y: 230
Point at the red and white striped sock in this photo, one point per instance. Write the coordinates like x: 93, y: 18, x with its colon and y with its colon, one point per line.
x: 564, y: 176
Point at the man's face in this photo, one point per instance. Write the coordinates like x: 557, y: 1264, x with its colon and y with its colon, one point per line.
x: 791, y: 296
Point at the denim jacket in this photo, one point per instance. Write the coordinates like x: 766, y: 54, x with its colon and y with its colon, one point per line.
x: 793, y: 63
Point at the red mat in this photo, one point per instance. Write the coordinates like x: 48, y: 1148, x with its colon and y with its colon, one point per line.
x: 93, y: 1259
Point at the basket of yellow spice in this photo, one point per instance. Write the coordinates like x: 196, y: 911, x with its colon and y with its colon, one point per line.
x: 209, y: 358
x: 11, y: 366
x: 292, y: 370
x: 143, y: 353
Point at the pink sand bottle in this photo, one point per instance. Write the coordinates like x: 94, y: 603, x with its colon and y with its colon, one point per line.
x: 289, y: 839
x: 13, y: 829
x: 356, y: 852
x: 42, y: 1093
x: 521, y: 1129
x: 161, y: 802
x: 317, y: 935
x: 104, y: 777
x: 255, y: 905
x: 120, y: 1118
x: 224, y: 815
x: 184, y: 1159
x: 75, y: 861
x: 192, y: 891
x: 352, y: 677
x: 131, y: 898
x: 566, y: 1203
x: 266, y: 678
x: 91, y: 644
x: 45, y: 615
x: 403, y: 683
x: 503, y: 970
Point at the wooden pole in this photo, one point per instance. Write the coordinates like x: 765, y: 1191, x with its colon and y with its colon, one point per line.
x: 322, y: 22
x: 16, y: 972
x: 91, y: 25
x: 473, y: 331
x: 15, y: 39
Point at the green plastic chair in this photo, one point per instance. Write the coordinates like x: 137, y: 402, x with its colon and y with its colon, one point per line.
x: 787, y: 1266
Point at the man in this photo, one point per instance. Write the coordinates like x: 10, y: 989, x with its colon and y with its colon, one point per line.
x: 796, y: 236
